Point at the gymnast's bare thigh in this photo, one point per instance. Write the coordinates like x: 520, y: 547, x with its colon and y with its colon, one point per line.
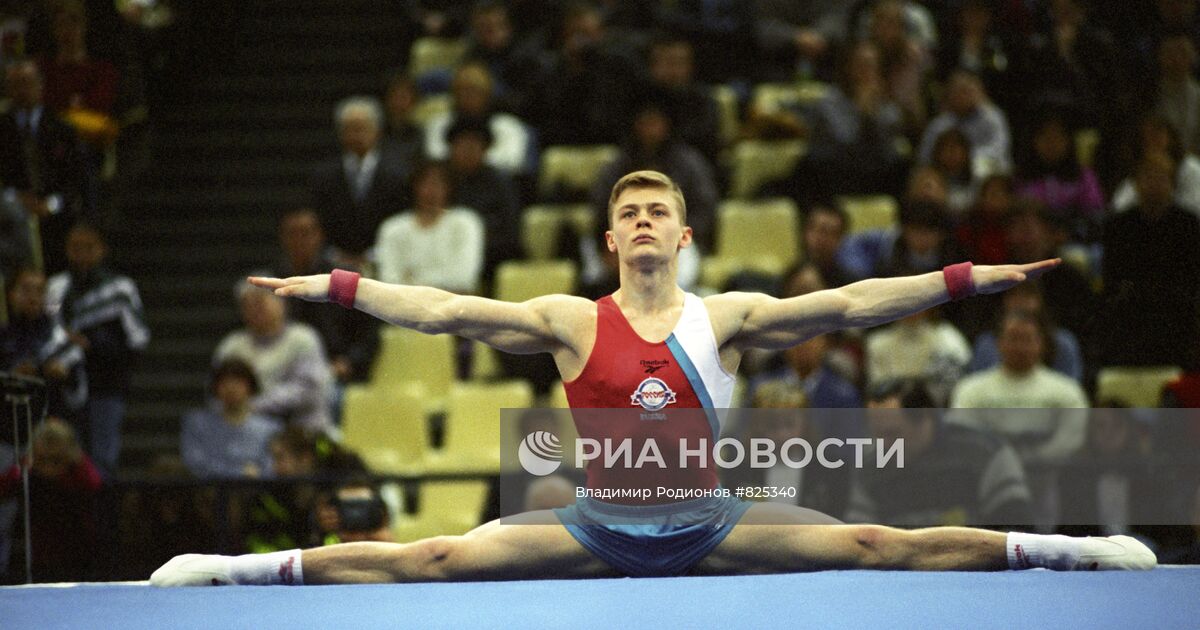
x: 532, y: 545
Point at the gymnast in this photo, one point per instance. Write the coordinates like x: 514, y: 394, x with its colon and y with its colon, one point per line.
x: 601, y: 349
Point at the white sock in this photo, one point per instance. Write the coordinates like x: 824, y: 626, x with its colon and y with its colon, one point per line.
x: 280, y: 567
x: 1031, y: 551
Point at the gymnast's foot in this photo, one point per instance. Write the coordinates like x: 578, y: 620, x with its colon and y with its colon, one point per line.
x: 1065, y: 553
x: 1114, y: 552
x: 193, y: 569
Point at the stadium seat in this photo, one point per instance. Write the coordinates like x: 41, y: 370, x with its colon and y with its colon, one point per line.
x: 541, y: 226
x: 558, y: 396
x: 1134, y: 386
x: 429, y: 54
x: 386, y: 426
x: 1086, y: 143
x: 868, y: 212
x: 756, y: 162
x: 727, y: 111
x: 761, y: 236
x: 407, y: 356
x: 444, y: 508
x: 431, y: 107
x: 518, y: 281
x: 769, y: 98
x: 485, y: 366
x: 473, y: 434
x: 572, y: 169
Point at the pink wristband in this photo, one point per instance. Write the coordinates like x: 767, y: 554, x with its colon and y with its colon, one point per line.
x: 343, y: 285
x: 958, y: 281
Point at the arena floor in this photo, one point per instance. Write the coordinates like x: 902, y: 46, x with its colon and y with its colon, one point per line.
x: 1167, y: 597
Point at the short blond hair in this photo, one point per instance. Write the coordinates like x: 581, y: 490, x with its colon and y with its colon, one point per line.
x: 647, y: 179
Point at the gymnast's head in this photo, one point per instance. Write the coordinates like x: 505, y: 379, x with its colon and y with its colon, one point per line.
x: 647, y: 219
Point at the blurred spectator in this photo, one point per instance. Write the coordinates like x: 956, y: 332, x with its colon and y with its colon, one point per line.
x: 356, y: 192
x: 1072, y: 63
x: 285, y: 516
x: 585, y: 98
x: 977, y: 43
x: 287, y: 358
x: 1178, y: 92
x: 1062, y: 352
x: 351, y: 337
x: 797, y: 39
x: 1107, y: 484
x: 513, y: 62
x: 951, y: 156
x: 1151, y: 263
x: 433, y: 244
x: 102, y: 312
x: 690, y: 105
x: 82, y: 89
x: 1050, y: 172
x: 903, y: 35
x: 64, y: 512
x: 512, y: 150
x: 853, y: 133
x: 1030, y: 237
x: 1156, y: 135
x: 42, y: 164
x: 966, y: 107
x: 823, y: 229
x: 484, y: 189
x: 981, y: 236
x: 952, y: 475
x: 16, y: 247
x: 14, y: 30
x: 920, y: 244
x: 721, y: 30
x: 653, y: 145
x: 226, y: 439
x: 1022, y: 380
x: 34, y: 343
x: 926, y: 184
x: 403, y: 138
x: 918, y: 346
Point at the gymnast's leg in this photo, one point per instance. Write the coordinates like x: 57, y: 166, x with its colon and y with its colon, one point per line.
x: 763, y: 542
x: 530, y: 546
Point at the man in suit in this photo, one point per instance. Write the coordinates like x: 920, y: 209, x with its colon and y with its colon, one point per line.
x: 356, y: 192
x: 42, y: 164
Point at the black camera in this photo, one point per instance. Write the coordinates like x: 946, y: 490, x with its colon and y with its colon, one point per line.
x: 360, y: 512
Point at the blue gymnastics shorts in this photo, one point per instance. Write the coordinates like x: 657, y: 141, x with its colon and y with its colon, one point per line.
x: 653, y: 540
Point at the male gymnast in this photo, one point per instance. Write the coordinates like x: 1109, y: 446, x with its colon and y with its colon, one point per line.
x: 599, y: 348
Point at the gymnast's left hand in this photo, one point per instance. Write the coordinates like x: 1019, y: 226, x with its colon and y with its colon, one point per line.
x: 997, y: 278
x: 308, y: 288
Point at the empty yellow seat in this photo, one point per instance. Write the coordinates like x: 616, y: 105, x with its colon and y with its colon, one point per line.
x: 444, y: 508
x: 386, y: 426
x: 518, y: 281
x: 756, y: 162
x: 429, y: 54
x: 573, y: 168
x: 408, y: 356
x: 727, y: 111
x: 761, y: 236
x: 542, y: 225
x: 1134, y: 386
x: 473, y: 434
x: 867, y: 212
x: 771, y: 97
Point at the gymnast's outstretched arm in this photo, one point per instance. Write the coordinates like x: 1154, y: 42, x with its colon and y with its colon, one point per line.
x: 751, y: 320
x: 543, y: 324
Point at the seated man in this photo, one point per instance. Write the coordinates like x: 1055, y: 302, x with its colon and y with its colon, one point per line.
x: 952, y: 475
x: 602, y: 350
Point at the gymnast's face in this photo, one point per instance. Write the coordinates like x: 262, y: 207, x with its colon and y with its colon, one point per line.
x: 647, y: 226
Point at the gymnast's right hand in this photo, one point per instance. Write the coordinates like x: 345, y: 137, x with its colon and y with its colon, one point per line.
x: 309, y: 288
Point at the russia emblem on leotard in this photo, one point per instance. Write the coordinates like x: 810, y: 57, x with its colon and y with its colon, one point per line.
x: 652, y: 394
